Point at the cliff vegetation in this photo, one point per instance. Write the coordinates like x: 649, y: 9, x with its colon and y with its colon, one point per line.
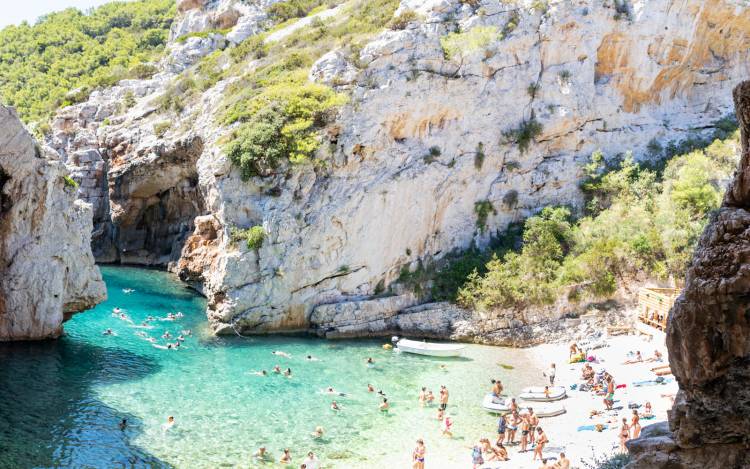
x: 61, y: 58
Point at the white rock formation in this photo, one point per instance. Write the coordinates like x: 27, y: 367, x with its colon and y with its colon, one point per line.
x: 47, y: 271
x: 421, y: 142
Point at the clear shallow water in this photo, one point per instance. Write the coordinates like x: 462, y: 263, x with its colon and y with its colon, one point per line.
x: 61, y: 400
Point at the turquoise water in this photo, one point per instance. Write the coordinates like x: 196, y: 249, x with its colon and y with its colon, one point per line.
x: 62, y: 400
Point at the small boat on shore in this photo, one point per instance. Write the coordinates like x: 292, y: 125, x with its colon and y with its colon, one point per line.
x: 494, y: 404
x: 430, y: 348
x: 552, y: 409
x: 537, y: 393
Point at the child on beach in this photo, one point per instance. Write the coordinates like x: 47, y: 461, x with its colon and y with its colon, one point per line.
x: 476, y: 456
x: 447, y: 425
x: 418, y: 455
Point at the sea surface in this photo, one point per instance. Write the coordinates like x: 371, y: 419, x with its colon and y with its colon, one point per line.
x: 61, y: 401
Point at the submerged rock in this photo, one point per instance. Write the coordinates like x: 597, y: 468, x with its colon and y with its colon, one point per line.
x: 47, y: 271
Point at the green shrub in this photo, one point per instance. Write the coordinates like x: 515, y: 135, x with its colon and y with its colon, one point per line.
x: 524, y: 134
x: 61, y: 58
x: 460, y: 45
x: 142, y: 71
x: 532, y: 89
x: 69, y: 182
x: 253, y: 47
x: 253, y: 236
x: 513, y: 19
x: 564, y: 76
x: 402, y: 20
x: 482, y: 209
x: 160, y: 128
x: 479, y: 156
x: 201, y: 34
x: 280, y: 124
x: 290, y: 9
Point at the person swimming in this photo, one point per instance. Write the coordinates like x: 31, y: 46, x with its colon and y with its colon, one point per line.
x: 369, y: 362
x: 186, y: 332
x: 127, y: 291
x: 370, y: 388
x: 384, y: 406
x: 318, y: 433
x: 262, y: 454
x: 116, y: 310
x: 123, y: 424
x: 277, y: 369
x: 310, y: 358
x: 260, y: 373
x: 108, y: 332
x: 166, y: 335
x: 335, y: 406
x: 281, y: 354
x: 288, y: 372
x: 169, y: 425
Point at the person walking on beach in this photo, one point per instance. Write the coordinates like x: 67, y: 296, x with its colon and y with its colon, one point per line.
x: 550, y: 373
x: 624, y: 434
x: 541, y: 440
x: 443, y: 397
x: 418, y: 455
x: 609, y: 399
x: 635, y: 424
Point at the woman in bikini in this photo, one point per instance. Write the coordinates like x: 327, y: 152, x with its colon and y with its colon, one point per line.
x: 635, y: 424
x: 418, y: 455
x: 624, y: 434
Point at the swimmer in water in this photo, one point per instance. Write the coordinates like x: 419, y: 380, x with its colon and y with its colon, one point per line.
x: 187, y: 332
x: 116, y: 310
x: 370, y: 362
x: 123, y: 424
x: 150, y: 318
x: 384, y: 405
x: 108, y: 332
x: 127, y: 291
x: 162, y: 347
x: 180, y: 338
x: 335, y: 406
x: 281, y: 354
x: 166, y: 335
x: 260, y: 373
x: 277, y: 369
x: 262, y: 454
x: 318, y: 433
x: 370, y: 388
x: 178, y: 315
x: 169, y: 425
x: 310, y: 358
x: 288, y: 372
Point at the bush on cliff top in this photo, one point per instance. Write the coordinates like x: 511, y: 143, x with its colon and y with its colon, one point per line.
x: 41, y: 64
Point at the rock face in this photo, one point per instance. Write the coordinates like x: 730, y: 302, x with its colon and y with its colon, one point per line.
x: 47, y: 271
x: 707, y: 338
x: 422, y: 141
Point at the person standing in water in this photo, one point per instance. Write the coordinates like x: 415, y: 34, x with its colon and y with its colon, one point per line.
x: 443, y: 397
x: 418, y: 455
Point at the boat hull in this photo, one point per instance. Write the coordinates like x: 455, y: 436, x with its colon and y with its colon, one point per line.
x: 428, y: 349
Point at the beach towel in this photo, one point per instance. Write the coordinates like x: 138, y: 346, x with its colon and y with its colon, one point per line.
x: 620, y: 386
x: 590, y: 428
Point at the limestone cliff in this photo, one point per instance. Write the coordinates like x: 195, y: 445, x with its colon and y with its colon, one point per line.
x: 404, y: 164
x: 47, y: 272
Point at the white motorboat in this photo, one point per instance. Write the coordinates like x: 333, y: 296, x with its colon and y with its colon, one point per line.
x: 538, y: 394
x: 430, y: 348
x: 552, y: 409
x: 496, y: 405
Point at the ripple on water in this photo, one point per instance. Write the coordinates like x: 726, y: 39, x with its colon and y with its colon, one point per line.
x: 82, y: 385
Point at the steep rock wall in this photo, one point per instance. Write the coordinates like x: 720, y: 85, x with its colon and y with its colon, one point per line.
x: 707, y: 338
x: 383, y: 200
x: 47, y: 272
